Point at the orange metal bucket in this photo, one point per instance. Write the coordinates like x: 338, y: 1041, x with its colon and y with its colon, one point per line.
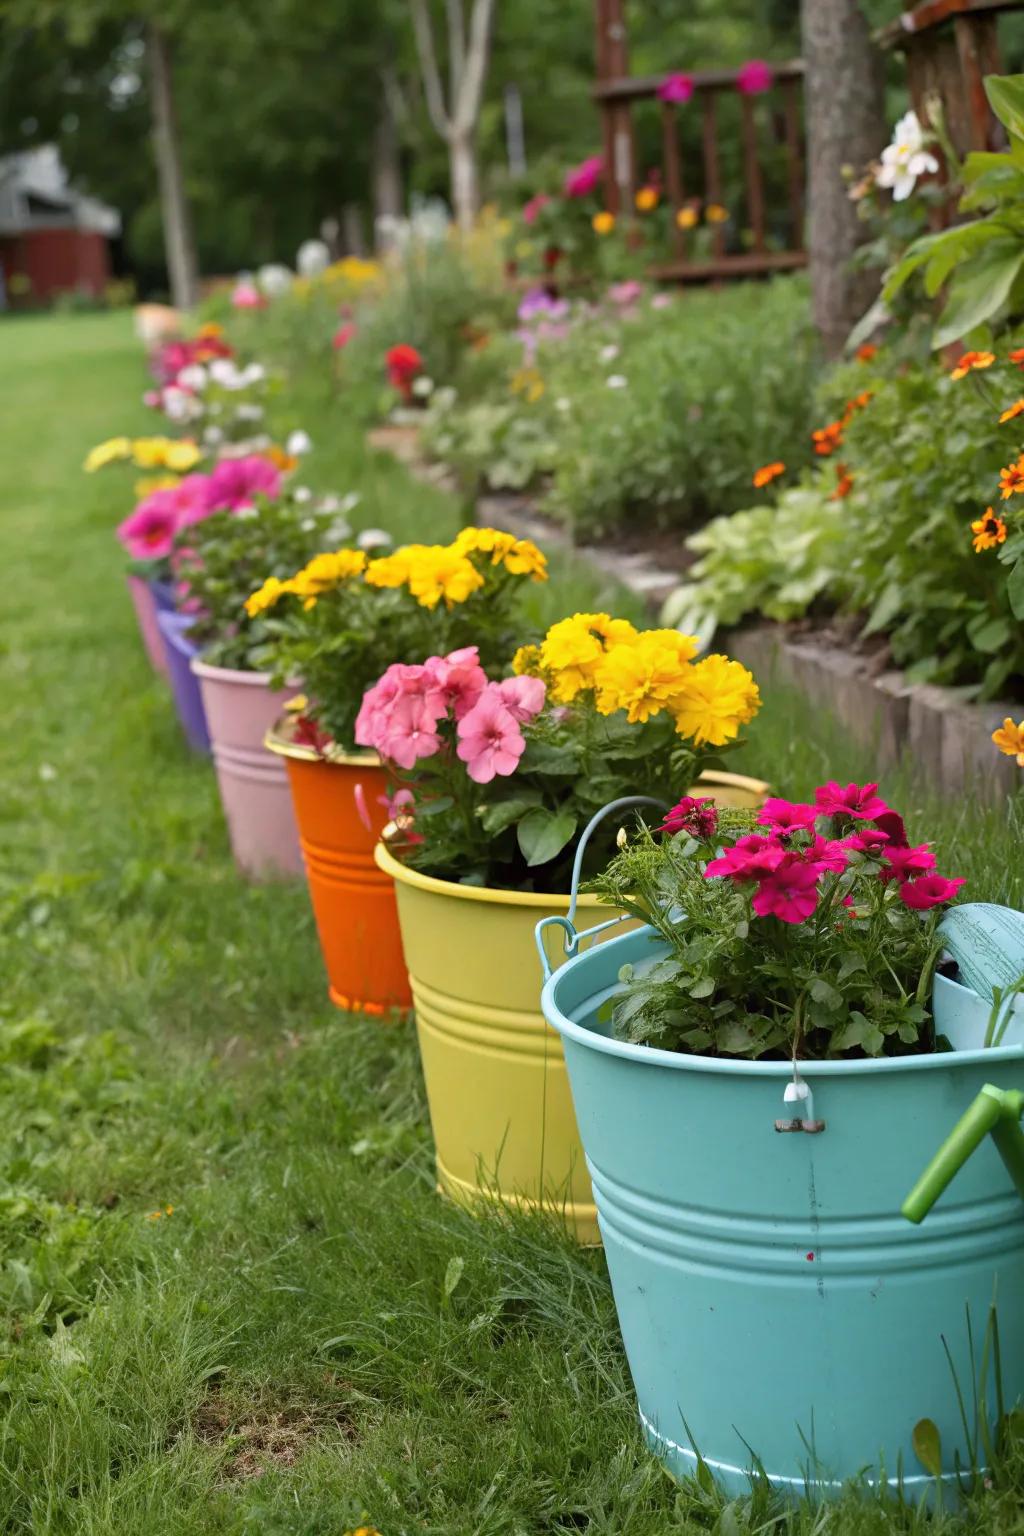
x: 340, y: 817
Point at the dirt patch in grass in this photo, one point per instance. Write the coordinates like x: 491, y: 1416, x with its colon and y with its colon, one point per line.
x: 258, y: 1436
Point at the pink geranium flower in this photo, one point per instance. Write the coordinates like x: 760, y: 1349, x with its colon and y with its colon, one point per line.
x: 625, y: 293
x: 458, y: 679
x: 929, y: 891
x: 790, y: 893
x: 235, y: 483
x: 749, y: 858
x: 695, y: 815
x: 190, y: 497
x: 247, y: 296
x: 787, y: 815
x: 754, y: 77
x: 908, y: 863
x: 583, y: 178
x: 490, y: 741
x: 532, y: 208
x: 523, y: 697
x: 409, y: 732
x: 677, y: 88
x: 857, y: 800
x: 148, y: 533
x: 343, y: 335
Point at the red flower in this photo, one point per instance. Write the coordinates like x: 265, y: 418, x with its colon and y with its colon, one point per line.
x: 929, y: 891
x: 306, y: 733
x: 677, y: 88
x: 791, y: 893
x: 750, y: 858
x: 754, y: 77
x: 696, y: 816
x: 908, y: 863
x: 891, y: 823
x: 856, y: 800
x: 827, y: 853
x: 403, y: 364
x: 787, y: 815
x: 872, y: 840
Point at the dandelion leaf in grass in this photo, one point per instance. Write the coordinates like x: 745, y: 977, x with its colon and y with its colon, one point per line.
x: 980, y: 290
x: 927, y: 1445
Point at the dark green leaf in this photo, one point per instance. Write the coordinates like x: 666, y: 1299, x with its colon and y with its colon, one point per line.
x: 542, y: 834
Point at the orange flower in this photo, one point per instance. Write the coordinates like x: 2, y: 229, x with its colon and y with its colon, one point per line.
x: 988, y: 531
x: 1011, y: 479
x: 687, y: 217
x: 844, y: 483
x: 865, y: 352
x: 646, y: 199
x: 1012, y: 411
x: 971, y: 360
x: 716, y: 214
x: 280, y: 459
x: 1010, y: 739
x: 856, y: 404
x: 767, y: 473
x: 827, y: 439
x: 1017, y: 356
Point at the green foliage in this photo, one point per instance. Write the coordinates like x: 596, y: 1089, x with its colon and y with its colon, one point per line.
x: 508, y: 444
x: 225, y: 558
x: 849, y: 980
x: 981, y: 262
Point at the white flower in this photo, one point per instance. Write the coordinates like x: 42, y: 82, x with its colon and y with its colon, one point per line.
x: 348, y: 501
x: 246, y: 412
x: 563, y: 403
x: 312, y: 258
x: 299, y: 442
x: 422, y: 386
x: 253, y: 373
x: 905, y: 159
x: 274, y: 279
x: 212, y: 436
x: 179, y: 405
x: 223, y: 372
x: 302, y: 494
x: 609, y: 353
x: 245, y: 512
x: 616, y: 381
x: 192, y: 376
x: 373, y: 538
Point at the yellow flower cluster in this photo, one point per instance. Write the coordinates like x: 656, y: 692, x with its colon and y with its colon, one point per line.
x: 145, y: 452
x: 323, y: 573
x: 644, y: 672
x: 520, y: 557
x: 430, y: 571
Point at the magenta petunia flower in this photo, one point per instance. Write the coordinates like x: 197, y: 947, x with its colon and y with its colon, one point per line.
x: 677, y: 88
x: 871, y: 840
x: 583, y: 178
x: 787, y: 815
x: 148, y: 533
x: 790, y: 893
x: 490, y: 741
x: 749, y: 858
x: 695, y: 815
x: 236, y: 483
x: 754, y: 77
x: 857, y: 800
x: 929, y: 891
x: 908, y: 863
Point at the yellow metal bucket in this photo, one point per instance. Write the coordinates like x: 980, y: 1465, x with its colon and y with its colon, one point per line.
x: 500, y: 1105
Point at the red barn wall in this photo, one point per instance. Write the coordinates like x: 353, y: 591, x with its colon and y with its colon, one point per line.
x: 57, y: 261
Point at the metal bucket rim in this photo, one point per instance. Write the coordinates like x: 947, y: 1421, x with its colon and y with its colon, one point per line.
x: 680, y: 1061
x: 492, y: 894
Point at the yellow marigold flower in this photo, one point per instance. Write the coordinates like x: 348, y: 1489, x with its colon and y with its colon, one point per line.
x: 646, y: 199
x: 971, y: 360
x: 716, y: 214
x: 644, y: 675
x: 165, y: 453
x: 1010, y: 740
x: 603, y: 223
x: 392, y: 570
x: 1012, y: 411
x: 573, y: 648
x: 149, y: 483
x: 430, y: 571
x: 266, y: 596
x: 687, y: 218
x: 107, y: 453
x: 717, y: 697
x: 526, y: 661
x: 988, y: 531
x: 520, y: 557
x: 328, y: 570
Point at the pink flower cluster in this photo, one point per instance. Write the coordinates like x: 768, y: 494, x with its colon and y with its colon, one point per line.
x: 173, y: 356
x: 583, y: 178
x: 149, y: 532
x: 787, y: 861
x: 402, y: 714
x: 697, y: 816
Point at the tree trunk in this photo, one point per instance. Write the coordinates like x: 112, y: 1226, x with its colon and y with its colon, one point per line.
x: 845, y: 127
x: 386, y: 173
x: 465, y: 188
x: 179, y: 243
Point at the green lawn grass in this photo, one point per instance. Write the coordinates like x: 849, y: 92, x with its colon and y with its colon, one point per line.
x: 280, y: 1353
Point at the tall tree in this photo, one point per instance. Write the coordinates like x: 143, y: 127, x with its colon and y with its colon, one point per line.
x: 845, y: 127
x: 179, y: 241
x: 468, y: 58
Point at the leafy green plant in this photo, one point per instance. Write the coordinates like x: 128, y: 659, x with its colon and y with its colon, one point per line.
x: 504, y: 444
x: 979, y: 263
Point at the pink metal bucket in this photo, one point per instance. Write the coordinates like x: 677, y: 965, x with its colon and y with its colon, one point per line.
x: 240, y: 709
x: 144, y: 603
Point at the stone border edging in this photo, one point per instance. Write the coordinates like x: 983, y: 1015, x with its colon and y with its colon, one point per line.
x: 946, y: 738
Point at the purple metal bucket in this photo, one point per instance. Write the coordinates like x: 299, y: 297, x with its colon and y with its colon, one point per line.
x: 184, y: 684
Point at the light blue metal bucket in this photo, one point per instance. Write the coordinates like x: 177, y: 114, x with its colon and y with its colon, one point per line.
x: 774, y: 1303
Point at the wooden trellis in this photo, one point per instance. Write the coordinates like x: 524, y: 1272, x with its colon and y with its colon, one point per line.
x: 774, y: 115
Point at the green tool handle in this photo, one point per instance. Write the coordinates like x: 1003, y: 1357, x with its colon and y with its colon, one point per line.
x: 994, y: 1111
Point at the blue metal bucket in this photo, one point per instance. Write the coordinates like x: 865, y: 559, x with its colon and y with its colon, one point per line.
x: 772, y: 1299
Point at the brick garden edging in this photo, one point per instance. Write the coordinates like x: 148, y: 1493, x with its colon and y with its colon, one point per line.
x: 947, y: 739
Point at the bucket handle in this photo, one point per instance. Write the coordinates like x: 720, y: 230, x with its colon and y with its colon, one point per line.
x: 572, y: 938
x: 995, y: 1111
